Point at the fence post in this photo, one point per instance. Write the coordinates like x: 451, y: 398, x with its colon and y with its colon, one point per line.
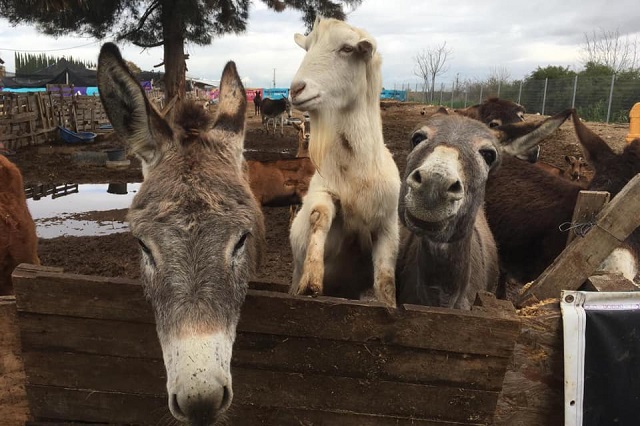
x: 499, y: 84
x: 453, y: 86
x: 520, y: 91
x: 544, y: 95
x: 575, y: 88
x: 441, y: 90
x: 480, y: 101
x: 613, y: 79
x: 465, y: 98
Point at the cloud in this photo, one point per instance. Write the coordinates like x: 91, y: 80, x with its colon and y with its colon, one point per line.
x: 519, y: 36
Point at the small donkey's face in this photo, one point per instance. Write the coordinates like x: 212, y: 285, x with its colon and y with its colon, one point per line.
x: 199, y: 229
x: 445, y: 175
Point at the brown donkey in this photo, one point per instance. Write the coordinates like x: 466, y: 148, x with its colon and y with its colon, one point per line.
x: 18, y: 240
x: 199, y: 228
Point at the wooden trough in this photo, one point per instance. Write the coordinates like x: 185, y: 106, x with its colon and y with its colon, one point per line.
x: 91, y: 355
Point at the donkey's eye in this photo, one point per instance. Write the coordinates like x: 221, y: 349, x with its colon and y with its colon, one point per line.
x: 417, y: 138
x: 489, y: 156
x: 240, y: 244
x: 144, y: 247
x: 346, y: 49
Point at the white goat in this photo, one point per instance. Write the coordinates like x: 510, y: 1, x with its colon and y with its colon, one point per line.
x: 345, y: 236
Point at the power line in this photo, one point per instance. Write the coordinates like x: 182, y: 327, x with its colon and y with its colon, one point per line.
x: 49, y: 50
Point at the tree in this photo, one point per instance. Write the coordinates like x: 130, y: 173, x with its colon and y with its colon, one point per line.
x: 152, y: 23
x: 610, y: 49
x: 432, y: 62
x: 551, y: 72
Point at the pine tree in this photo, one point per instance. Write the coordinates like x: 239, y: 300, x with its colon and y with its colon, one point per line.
x: 151, y: 23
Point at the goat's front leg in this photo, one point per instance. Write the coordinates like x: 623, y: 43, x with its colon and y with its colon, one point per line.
x: 385, y: 253
x: 313, y: 222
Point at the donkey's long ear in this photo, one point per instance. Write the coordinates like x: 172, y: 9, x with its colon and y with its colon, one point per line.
x: 233, y: 102
x: 593, y: 147
x: 518, y: 138
x: 130, y: 112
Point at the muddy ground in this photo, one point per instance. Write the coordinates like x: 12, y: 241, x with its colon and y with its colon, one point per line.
x: 118, y: 254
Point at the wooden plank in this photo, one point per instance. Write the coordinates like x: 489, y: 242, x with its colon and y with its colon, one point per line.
x: 13, y: 398
x: 609, y: 282
x: 534, y: 383
x: 251, y: 415
x: 449, y: 330
x: 263, y: 388
x: 278, y: 353
x: 57, y: 403
x: 481, y: 333
x: 588, y: 205
x: 153, y: 411
x: 577, y: 262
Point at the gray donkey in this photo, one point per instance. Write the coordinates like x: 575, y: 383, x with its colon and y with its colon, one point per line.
x: 447, y: 252
x: 200, y: 230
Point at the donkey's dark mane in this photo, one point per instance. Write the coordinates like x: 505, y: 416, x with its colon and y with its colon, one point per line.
x: 192, y: 117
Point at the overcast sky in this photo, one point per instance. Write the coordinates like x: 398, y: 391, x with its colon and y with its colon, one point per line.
x: 516, y: 36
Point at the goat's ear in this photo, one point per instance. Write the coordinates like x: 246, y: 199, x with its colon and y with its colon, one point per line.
x: 442, y: 110
x: 518, y: 138
x: 567, y: 159
x: 300, y: 40
x: 366, y: 47
x: 131, y: 114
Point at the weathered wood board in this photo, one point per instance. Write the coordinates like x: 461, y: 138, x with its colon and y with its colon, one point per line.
x: 13, y: 402
x: 91, y: 355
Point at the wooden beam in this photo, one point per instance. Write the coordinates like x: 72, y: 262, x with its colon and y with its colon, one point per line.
x: 577, y: 262
x: 13, y: 398
x: 139, y: 343
x: 264, y: 388
x: 609, y: 282
x: 588, y: 206
x: 471, y: 332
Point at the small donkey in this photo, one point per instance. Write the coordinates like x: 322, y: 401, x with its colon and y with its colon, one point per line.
x: 448, y: 252
x: 199, y: 228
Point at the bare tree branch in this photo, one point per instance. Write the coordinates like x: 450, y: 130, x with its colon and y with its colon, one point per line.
x: 432, y: 62
x: 610, y: 49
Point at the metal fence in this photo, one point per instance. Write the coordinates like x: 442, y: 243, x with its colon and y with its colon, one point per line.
x: 602, y: 98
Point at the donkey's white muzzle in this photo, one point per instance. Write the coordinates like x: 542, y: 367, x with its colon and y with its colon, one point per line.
x: 198, y: 376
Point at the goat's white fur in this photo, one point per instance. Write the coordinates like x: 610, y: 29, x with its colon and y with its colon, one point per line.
x: 342, y: 83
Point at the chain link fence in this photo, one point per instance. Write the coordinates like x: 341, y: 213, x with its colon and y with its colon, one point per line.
x: 602, y: 98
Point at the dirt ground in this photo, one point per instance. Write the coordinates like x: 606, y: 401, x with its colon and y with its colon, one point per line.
x: 118, y: 254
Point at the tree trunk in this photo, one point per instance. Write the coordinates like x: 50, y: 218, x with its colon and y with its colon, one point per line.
x: 174, y: 62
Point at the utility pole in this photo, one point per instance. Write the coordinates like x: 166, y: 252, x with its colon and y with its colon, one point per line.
x: 274, y: 78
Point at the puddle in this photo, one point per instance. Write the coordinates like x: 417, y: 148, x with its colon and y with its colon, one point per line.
x: 79, y: 210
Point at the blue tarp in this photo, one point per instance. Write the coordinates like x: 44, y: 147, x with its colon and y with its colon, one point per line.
x: 398, y: 95
x: 275, y: 93
x: 23, y: 89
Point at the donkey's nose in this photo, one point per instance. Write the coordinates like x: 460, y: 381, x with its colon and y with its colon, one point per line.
x: 201, y: 408
x: 436, y: 186
x: 296, y: 88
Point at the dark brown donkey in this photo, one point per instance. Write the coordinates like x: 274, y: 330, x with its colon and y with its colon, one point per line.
x: 199, y: 228
x: 495, y: 112
x: 525, y: 206
x: 447, y: 252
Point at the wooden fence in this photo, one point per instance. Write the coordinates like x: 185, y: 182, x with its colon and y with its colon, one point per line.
x: 91, y: 355
x: 33, y: 118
